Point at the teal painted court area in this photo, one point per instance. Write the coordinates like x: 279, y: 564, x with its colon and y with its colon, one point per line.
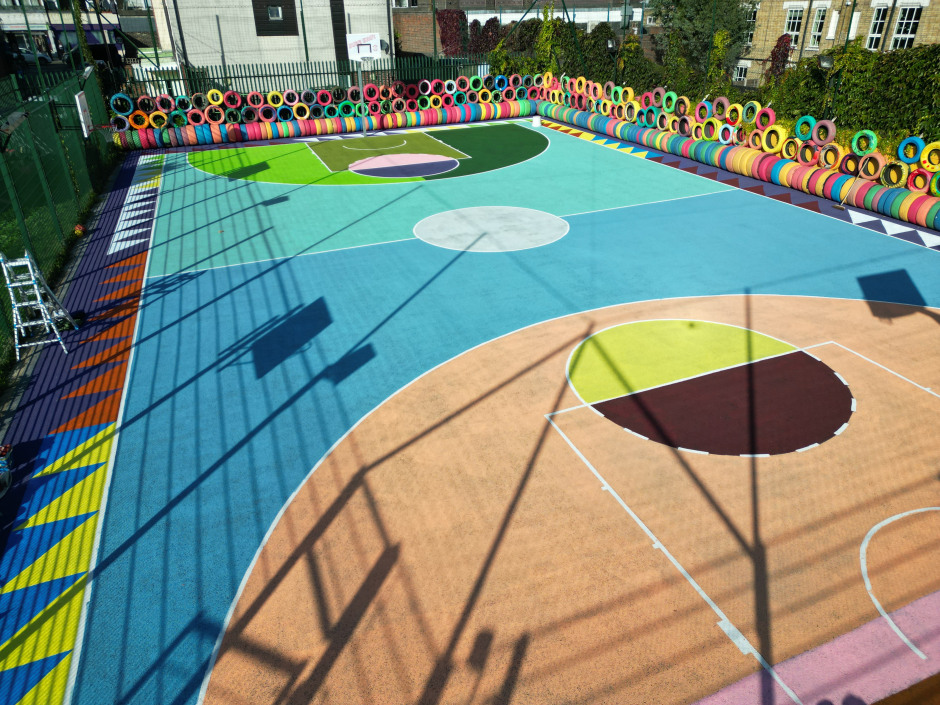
x: 209, y: 221
x: 275, y: 317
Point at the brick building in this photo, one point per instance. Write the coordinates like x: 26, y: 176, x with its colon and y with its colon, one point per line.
x: 818, y: 25
x: 414, y: 24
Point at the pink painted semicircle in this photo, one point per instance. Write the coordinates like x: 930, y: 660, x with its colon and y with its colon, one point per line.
x: 398, y: 166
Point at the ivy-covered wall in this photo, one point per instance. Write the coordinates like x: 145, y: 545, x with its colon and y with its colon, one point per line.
x: 894, y: 93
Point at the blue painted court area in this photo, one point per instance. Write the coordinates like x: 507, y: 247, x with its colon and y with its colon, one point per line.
x: 245, y: 375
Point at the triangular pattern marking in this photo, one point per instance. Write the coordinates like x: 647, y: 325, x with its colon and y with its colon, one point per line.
x: 70, y: 556
x: 94, y: 450
x: 45, y: 489
x: 17, y: 682
x: 24, y: 547
x: 20, y: 606
x: 50, y: 632
x: 109, y: 381
x: 116, y: 353
x: 894, y: 228
x: 105, y: 411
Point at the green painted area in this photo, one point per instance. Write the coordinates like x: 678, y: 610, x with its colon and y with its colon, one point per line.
x: 637, y: 356
x: 339, y: 154
x: 278, y: 163
x: 480, y: 148
x: 491, y: 147
x: 205, y: 221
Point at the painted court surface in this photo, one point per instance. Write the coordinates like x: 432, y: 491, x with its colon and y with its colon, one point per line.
x: 491, y: 414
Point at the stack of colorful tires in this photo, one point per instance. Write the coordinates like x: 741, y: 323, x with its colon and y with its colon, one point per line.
x: 744, y: 139
x: 217, y: 117
x: 807, y: 160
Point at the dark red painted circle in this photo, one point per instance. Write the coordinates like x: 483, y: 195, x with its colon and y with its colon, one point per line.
x: 777, y: 405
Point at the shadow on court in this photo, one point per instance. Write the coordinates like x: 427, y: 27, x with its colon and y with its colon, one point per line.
x: 885, y: 290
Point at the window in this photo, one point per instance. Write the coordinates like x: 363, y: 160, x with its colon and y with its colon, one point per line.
x: 877, y: 28
x: 817, y: 29
x: 906, y: 28
x: 405, y: 3
x: 751, y: 23
x: 275, y: 20
x: 740, y: 74
x: 793, y: 24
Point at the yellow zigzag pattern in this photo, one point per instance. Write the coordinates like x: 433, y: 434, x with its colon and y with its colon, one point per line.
x: 54, y: 630
x: 609, y: 142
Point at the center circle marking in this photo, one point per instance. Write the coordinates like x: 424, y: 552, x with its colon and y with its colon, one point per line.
x: 491, y: 229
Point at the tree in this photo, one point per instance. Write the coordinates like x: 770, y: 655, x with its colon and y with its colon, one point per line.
x: 489, y: 37
x: 693, y: 23
x: 779, y: 57
x: 453, y: 25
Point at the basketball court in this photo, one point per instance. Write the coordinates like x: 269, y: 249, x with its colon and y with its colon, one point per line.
x: 488, y: 414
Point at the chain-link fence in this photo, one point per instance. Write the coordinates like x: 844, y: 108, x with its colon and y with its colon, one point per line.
x: 263, y: 78
x: 49, y: 172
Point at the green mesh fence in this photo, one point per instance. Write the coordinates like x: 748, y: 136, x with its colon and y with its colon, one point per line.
x: 49, y: 172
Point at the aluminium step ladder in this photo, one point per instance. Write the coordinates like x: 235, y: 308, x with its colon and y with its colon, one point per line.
x: 36, y: 310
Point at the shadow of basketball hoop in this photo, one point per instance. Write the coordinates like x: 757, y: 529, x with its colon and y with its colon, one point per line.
x: 885, y: 291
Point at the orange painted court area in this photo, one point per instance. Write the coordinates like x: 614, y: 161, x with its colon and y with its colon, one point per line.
x: 483, y: 536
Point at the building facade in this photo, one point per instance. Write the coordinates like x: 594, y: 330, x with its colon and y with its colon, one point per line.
x: 208, y: 33
x: 49, y: 27
x: 817, y: 25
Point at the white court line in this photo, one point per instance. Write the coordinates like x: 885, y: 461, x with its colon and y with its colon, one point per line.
x: 634, y: 145
x: 362, y: 419
x: 276, y: 259
x: 648, y: 203
x: 310, y: 148
x: 912, y: 226
x: 684, y: 379
x: 733, y: 633
x: 863, y: 561
x: 888, y: 369
x: 370, y: 149
x: 379, y: 181
x: 577, y: 347
x: 112, y: 456
x: 442, y: 142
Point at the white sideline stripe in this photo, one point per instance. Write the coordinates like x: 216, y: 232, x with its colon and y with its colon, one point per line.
x: 277, y: 259
x: 115, y: 438
x: 888, y: 369
x: 733, y: 633
x: 648, y: 203
x: 635, y: 145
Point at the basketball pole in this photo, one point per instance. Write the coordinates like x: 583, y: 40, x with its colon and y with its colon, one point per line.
x: 362, y: 95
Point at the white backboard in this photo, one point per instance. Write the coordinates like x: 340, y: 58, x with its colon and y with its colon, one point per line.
x: 360, y: 46
x: 84, y: 114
